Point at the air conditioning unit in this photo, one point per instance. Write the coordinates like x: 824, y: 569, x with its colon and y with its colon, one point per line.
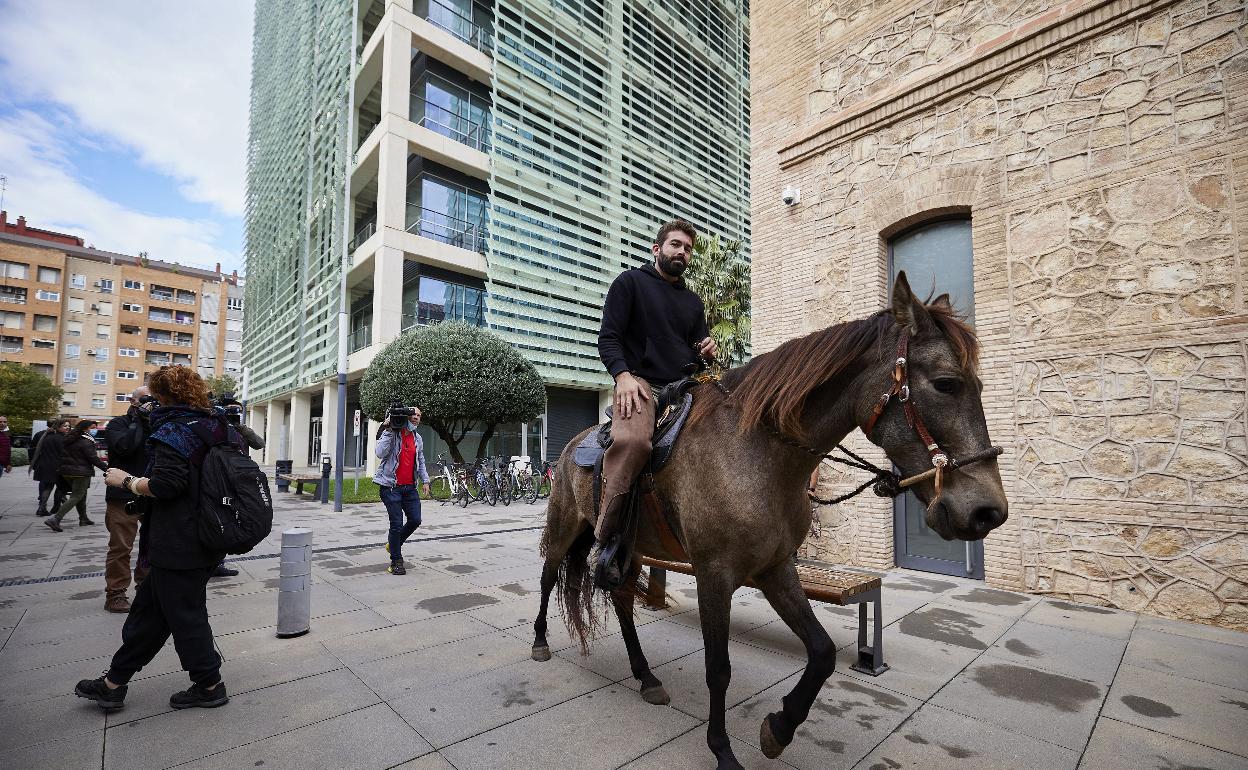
x: 91, y: 352
x: 98, y: 284
x: 95, y: 307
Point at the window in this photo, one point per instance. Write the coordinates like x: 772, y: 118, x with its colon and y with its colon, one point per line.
x: 73, y: 351
x: 121, y: 398
x: 234, y: 303
x: 101, y: 354
x: 69, y: 375
x: 97, y: 402
x: 128, y: 352
x: 12, y: 320
x: 73, y: 328
x: 13, y: 270
x: 103, y: 331
x: 133, y: 308
x: 233, y: 326
x: 78, y: 281
x: 105, y: 285
x: 44, y: 369
x: 105, y: 308
x: 50, y: 296
x: 129, y: 284
x: 100, y: 377
x: 69, y: 399
x: 76, y: 304
x: 49, y: 275
x: 45, y: 323
x: 43, y: 344
x: 122, y: 374
x: 10, y: 344
x: 14, y: 294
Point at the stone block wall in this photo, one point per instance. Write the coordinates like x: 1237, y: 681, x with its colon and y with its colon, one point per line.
x: 1101, y: 151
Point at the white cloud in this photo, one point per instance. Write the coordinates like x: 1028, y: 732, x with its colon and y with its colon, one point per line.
x: 170, y: 80
x: 41, y: 177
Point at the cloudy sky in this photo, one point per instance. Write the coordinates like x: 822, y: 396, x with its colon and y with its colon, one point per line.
x: 125, y: 122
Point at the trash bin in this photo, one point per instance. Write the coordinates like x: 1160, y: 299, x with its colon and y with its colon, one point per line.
x: 284, y: 467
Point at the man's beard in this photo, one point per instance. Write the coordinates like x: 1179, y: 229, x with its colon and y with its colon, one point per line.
x: 671, y: 266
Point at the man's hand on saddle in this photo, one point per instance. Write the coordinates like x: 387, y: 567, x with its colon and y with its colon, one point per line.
x: 708, y: 349
x: 629, y: 395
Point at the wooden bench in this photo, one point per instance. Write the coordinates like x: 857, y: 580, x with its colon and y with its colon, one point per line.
x: 820, y: 584
x: 299, y: 479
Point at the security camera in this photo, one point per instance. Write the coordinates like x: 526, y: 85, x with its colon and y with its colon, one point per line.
x: 791, y: 195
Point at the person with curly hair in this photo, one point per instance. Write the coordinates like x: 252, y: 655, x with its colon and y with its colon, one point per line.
x: 79, y: 459
x: 172, y: 599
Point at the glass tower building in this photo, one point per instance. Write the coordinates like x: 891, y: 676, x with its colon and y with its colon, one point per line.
x: 497, y: 162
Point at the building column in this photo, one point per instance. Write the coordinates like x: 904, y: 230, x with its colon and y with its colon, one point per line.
x: 392, y: 182
x: 604, y: 401
x: 255, y: 421
x: 274, y: 427
x: 387, y: 295
x: 396, y: 71
x: 300, y: 419
x: 372, y: 460
x: 329, y: 421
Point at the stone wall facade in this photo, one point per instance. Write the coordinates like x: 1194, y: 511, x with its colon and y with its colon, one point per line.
x: 1100, y: 150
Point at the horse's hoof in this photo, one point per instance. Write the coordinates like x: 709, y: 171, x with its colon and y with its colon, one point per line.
x: 541, y: 653
x: 656, y: 695
x: 772, y: 748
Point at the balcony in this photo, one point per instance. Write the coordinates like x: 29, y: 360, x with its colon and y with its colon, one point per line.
x: 14, y: 294
x: 453, y: 20
x: 360, y: 338
x: 185, y: 298
x: 450, y: 230
x: 10, y: 344
x: 361, y: 235
x: 161, y: 296
x: 442, y: 121
x: 158, y: 340
x: 161, y: 318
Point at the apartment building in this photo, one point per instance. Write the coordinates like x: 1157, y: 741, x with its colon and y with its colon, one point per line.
x: 96, y: 322
x: 506, y: 161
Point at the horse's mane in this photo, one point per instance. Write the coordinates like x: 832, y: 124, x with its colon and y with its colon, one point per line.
x: 774, y: 386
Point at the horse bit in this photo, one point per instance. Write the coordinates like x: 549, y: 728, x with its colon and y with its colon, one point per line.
x: 886, y: 483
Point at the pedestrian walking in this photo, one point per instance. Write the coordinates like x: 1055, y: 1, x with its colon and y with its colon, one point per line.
x: 172, y: 599
x: 44, y: 464
x: 6, y: 447
x: 126, y: 437
x: 402, y: 454
x: 79, y: 459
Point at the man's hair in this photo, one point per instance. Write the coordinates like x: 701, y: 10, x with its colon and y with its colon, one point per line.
x: 671, y: 227
x: 179, y: 385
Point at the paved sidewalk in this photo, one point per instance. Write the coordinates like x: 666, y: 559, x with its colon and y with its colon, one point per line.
x: 432, y: 670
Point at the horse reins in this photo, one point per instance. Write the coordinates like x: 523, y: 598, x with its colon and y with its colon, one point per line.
x: 886, y: 483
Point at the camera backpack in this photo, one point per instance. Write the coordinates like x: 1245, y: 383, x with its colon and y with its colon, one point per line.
x: 236, y: 509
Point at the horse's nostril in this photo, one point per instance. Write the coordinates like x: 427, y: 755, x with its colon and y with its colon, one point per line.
x: 986, y: 519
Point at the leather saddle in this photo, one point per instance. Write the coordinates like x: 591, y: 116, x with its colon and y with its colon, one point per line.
x: 671, y: 408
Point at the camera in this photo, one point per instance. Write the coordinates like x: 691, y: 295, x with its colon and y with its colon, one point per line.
x: 139, y: 506
x: 398, y: 415
x: 231, y: 407
x: 791, y: 195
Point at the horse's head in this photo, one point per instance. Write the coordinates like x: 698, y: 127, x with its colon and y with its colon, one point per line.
x: 944, y: 391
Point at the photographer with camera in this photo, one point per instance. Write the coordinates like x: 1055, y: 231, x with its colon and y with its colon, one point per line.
x: 402, y: 454
x: 230, y: 408
x: 126, y: 437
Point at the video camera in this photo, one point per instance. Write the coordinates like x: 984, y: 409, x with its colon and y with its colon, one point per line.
x: 232, y: 408
x: 398, y: 415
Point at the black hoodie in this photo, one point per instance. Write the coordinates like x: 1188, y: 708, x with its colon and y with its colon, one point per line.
x: 650, y: 326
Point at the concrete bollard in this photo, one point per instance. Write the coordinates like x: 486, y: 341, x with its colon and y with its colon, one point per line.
x: 294, y: 599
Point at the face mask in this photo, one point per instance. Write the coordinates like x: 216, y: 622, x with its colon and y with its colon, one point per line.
x: 93, y: 431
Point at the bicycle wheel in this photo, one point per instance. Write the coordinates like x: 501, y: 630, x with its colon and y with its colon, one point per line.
x: 529, y: 489
x: 505, y: 491
x: 489, y: 490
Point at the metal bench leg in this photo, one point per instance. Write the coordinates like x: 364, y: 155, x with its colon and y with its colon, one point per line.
x: 656, y: 595
x: 870, y: 658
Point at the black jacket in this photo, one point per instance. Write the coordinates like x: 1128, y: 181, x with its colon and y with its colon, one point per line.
x: 650, y: 326
x: 47, y: 457
x: 174, y: 451
x: 79, y: 457
x: 126, y: 436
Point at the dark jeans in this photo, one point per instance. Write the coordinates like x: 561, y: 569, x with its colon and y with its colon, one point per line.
x: 45, y: 491
x: 401, y: 501
x: 169, y: 601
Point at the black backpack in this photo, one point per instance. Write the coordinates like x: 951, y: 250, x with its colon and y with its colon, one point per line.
x: 235, y: 507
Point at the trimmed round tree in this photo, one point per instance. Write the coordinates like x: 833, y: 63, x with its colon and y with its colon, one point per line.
x: 460, y: 376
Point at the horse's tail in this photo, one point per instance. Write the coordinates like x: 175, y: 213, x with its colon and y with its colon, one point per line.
x: 574, y: 581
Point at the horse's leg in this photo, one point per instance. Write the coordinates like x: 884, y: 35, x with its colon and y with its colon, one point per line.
x: 714, y: 607
x: 783, y: 589
x: 651, y: 688
x: 550, y: 571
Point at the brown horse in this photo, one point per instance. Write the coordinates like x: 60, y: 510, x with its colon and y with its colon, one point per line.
x: 737, y: 492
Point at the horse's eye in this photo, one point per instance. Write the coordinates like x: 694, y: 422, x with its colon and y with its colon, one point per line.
x: 947, y: 385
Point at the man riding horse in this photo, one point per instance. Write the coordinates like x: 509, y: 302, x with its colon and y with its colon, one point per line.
x: 653, y: 328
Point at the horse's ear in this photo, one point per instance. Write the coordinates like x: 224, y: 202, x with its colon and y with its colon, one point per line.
x: 908, y: 311
x: 943, y: 302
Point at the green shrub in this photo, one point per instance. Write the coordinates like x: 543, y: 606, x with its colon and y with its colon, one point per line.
x: 20, y: 457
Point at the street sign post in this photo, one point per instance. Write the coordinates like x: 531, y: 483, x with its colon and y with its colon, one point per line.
x: 356, y: 434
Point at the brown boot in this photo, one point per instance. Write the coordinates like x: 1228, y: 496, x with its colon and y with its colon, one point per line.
x: 117, y: 603
x: 607, y: 573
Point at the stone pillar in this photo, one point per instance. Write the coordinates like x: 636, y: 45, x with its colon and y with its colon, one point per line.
x: 387, y: 295
x: 371, y: 468
x: 255, y: 421
x: 396, y: 71
x: 604, y: 401
x: 274, y: 427
x: 300, y: 420
x: 392, y: 182
x: 329, y: 420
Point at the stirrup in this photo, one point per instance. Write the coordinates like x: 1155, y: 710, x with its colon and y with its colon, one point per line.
x: 604, y: 578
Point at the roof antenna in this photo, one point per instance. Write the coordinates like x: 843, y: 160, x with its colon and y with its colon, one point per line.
x: 4, y: 183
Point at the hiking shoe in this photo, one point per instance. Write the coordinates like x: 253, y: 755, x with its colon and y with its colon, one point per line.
x: 200, y: 697
x: 118, y: 603
x: 53, y: 524
x: 85, y: 522
x: 224, y: 571
x: 396, y: 567
x: 109, y: 699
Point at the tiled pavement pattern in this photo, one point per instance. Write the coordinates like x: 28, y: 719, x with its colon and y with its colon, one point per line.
x: 432, y: 670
